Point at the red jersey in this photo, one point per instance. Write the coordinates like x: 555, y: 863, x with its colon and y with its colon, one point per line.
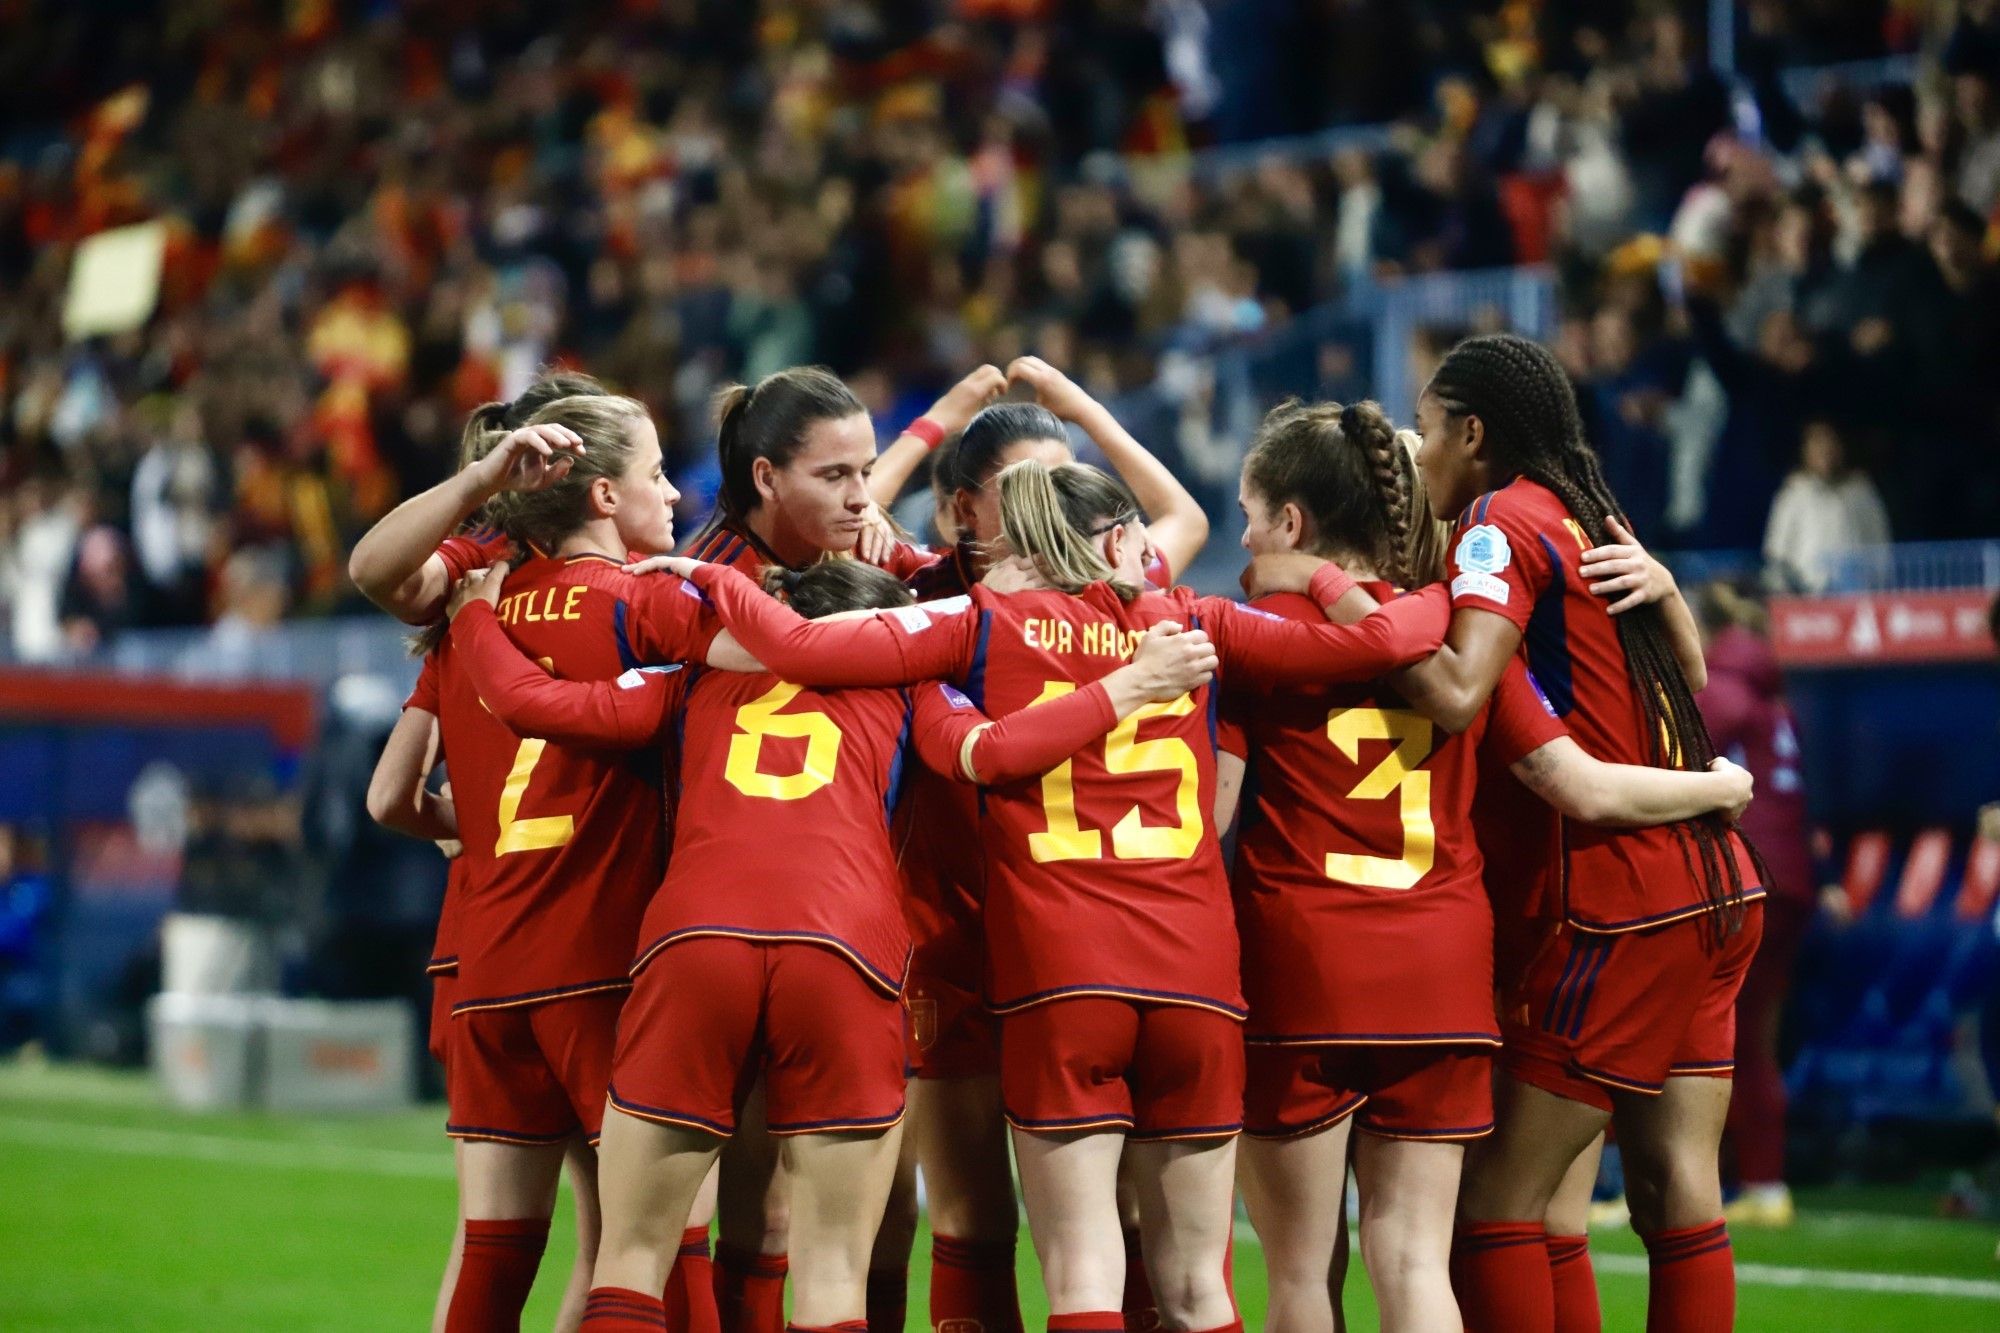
x: 1103, y: 875
x: 936, y: 822
x: 1357, y: 879
x: 1517, y: 552
x: 466, y: 551
x: 741, y: 549
x: 563, y: 846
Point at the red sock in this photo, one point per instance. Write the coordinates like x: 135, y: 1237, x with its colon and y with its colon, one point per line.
x: 1500, y: 1272
x: 494, y: 1277
x: 972, y: 1283
x: 844, y: 1326
x: 690, y: 1298
x: 617, y: 1310
x: 1692, y: 1283
x: 1141, y: 1311
x: 1089, y: 1321
x: 1575, y: 1285
x: 749, y: 1290
x: 888, y: 1299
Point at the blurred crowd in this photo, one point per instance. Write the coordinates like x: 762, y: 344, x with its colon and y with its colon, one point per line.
x: 380, y: 213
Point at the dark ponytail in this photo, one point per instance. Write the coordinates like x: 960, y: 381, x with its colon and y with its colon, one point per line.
x: 1352, y: 479
x: 1524, y: 399
x: 833, y: 586
x: 769, y: 420
x: 990, y: 433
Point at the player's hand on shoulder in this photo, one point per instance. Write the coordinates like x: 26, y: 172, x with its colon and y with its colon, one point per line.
x: 1622, y: 569
x: 682, y: 565
x: 1281, y: 571
x: 1172, y: 661
x: 481, y: 585
x: 1739, y: 786
x: 1016, y: 573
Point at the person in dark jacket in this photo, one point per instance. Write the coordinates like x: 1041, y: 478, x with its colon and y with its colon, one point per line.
x: 1744, y: 706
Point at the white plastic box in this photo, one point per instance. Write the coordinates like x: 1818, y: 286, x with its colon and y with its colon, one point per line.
x: 327, y: 1055
x: 205, y: 1049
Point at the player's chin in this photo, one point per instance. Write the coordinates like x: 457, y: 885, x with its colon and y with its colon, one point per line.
x: 843, y: 536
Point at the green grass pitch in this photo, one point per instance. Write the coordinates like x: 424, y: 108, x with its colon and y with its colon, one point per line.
x: 118, y: 1214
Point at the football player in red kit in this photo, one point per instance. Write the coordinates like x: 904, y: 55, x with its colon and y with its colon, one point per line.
x: 1109, y: 940
x: 796, y: 451
x: 957, y: 1127
x: 563, y: 848
x: 797, y: 984
x: 1367, y: 935
x: 1627, y: 1012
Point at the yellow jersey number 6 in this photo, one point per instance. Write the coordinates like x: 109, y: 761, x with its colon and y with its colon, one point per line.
x: 1399, y: 775
x: 760, y: 718
x: 1124, y: 752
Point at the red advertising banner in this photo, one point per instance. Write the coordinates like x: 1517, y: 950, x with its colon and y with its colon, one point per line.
x: 1893, y: 627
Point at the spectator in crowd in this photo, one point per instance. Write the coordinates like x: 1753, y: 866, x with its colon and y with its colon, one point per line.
x: 1744, y: 707
x: 1826, y: 510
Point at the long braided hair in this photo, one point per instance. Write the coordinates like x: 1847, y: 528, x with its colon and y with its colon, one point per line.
x: 1521, y: 394
x: 1353, y: 479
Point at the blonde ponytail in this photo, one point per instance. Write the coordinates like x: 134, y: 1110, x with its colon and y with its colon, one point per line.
x: 1047, y: 515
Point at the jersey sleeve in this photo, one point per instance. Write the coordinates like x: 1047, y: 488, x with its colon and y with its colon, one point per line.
x: 897, y: 647
x: 620, y: 714
x: 468, y: 551
x: 424, y: 694
x: 1025, y: 743
x: 668, y: 620
x: 1274, y: 652
x: 1498, y: 562
x: 1521, y: 721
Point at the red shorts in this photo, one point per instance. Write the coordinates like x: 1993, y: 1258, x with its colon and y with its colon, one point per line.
x: 1156, y: 1071
x: 443, y: 987
x: 1598, y: 1014
x: 1399, y: 1092
x: 711, y: 1015
x: 952, y: 1034
x: 533, y: 1074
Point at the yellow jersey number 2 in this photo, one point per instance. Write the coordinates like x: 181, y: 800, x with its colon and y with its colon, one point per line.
x: 1124, y: 752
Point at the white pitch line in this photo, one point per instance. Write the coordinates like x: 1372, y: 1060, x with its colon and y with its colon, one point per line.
x: 1830, y: 1279
x: 1775, y: 1275
x: 134, y: 1142
x: 68, y: 1136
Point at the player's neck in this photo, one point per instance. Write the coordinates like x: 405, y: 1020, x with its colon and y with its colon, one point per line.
x: 1359, y: 567
x: 597, y: 537
x: 779, y: 538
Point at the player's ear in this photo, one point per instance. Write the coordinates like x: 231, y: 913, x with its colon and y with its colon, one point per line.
x: 1475, y: 437
x: 963, y: 509
x: 1292, y: 524
x: 603, y: 497
x: 764, y: 477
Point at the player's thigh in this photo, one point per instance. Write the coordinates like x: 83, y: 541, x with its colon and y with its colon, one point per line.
x: 581, y: 1162
x: 1669, y: 1145
x: 1186, y: 1191
x: 1069, y: 1182
x: 1515, y: 1171
x: 1568, y: 1213
x: 960, y: 1133
x: 508, y: 1180
x: 1409, y: 1192
x: 1294, y: 1189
